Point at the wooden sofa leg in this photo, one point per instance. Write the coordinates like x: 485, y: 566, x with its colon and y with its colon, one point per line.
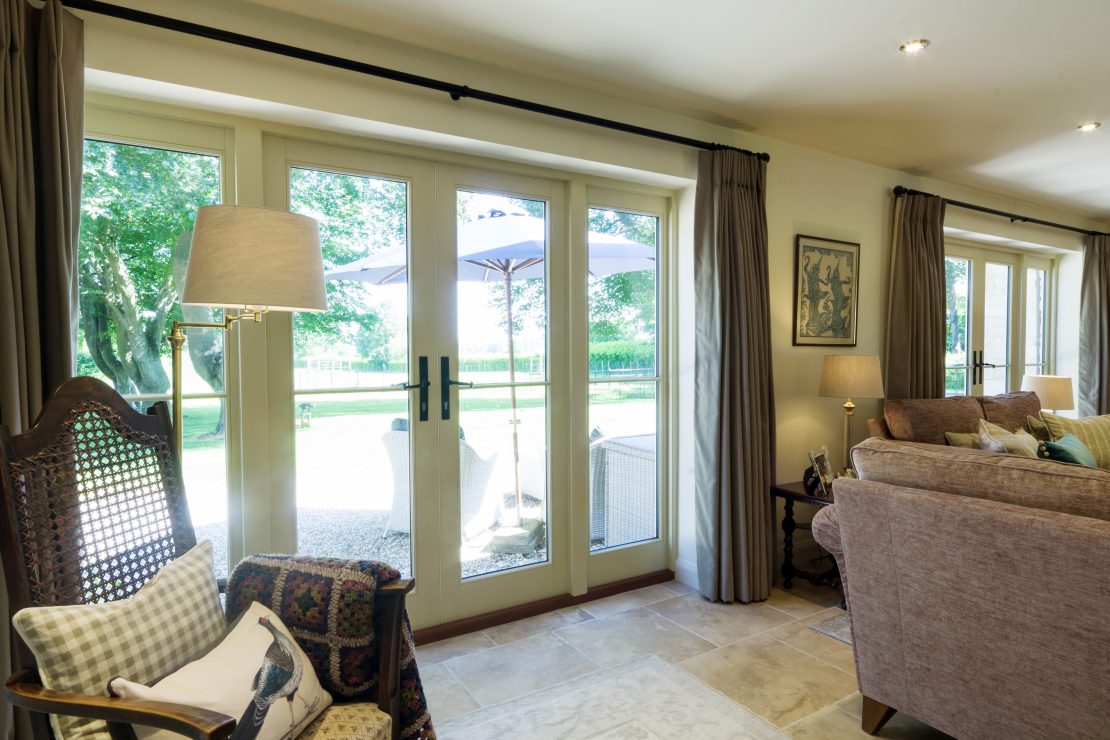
x: 875, y: 715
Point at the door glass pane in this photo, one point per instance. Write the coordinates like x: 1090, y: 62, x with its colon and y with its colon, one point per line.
x: 501, y: 244
x: 622, y: 313
x: 957, y: 348
x: 996, y: 327
x: 346, y: 505
x: 1036, y: 320
x: 138, y: 204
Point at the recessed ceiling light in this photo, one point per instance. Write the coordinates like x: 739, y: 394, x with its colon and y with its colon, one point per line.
x: 913, y: 47
x: 1089, y: 126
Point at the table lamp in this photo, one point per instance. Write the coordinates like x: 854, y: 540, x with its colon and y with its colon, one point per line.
x: 848, y: 376
x: 1053, y: 390
x: 252, y: 259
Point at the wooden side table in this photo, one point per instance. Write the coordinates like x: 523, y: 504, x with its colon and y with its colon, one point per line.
x: 790, y: 493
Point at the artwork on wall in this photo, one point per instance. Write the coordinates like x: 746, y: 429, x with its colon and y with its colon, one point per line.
x: 826, y: 285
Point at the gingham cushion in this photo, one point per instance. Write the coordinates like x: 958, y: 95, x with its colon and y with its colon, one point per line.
x: 173, y: 619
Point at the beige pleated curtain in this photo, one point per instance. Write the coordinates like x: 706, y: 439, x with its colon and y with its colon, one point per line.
x: 41, y: 128
x: 734, y: 397
x: 1094, y: 327
x: 915, y: 322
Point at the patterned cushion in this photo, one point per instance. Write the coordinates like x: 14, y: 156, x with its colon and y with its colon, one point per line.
x: 1093, y: 431
x: 994, y: 438
x: 361, y: 721
x: 174, y: 618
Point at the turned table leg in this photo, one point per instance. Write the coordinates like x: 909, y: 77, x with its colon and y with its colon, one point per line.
x: 788, y: 527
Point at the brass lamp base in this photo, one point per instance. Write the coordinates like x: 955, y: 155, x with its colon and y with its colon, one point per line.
x: 849, y: 412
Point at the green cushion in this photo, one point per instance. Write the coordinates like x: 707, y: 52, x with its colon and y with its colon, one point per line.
x: 994, y: 438
x: 1068, y: 449
x: 1038, y: 429
x: 1093, y: 431
x: 959, y: 439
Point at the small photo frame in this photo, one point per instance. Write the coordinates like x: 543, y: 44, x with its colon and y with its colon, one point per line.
x: 820, y: 460
x: 826, y: 286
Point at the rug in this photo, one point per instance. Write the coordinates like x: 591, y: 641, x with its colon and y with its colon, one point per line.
x: 647, y: 699
x: 838, y: 628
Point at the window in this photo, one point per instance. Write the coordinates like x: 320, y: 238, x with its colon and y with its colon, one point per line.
x: 998, y: 319
x: 137, y: 209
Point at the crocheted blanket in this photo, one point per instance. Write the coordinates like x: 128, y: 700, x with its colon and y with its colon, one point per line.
x: 327, y: 604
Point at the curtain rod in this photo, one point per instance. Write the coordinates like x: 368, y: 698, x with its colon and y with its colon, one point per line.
x: 900, y: 191
x: 455, y: 91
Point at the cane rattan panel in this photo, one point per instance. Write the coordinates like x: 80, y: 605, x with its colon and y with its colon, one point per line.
x: 95, y: 506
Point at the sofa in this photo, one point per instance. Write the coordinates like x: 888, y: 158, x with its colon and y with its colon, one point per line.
x: 977, y: 585
x: 927, y: 419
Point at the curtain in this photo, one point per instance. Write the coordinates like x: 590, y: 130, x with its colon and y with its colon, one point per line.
x: 1094, y: 327
x: 734, y: 397
x: 915, y: 320
x: 41, y: 128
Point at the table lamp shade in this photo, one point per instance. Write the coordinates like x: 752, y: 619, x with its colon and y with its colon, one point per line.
x: 1053, y: 390
x: 851, y: 376
x: 255, y: 258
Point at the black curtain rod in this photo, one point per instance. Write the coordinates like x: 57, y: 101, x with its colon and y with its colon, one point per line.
x: 900, y: 191
x: 455, y: 91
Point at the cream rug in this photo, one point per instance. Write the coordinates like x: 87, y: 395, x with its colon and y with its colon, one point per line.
x: 838, y: 628
x: 647, y: 699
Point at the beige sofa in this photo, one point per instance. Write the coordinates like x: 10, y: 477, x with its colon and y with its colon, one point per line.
x: 927, y: 419
x: 979, y: 589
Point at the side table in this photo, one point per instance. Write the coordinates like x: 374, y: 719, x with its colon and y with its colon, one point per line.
x: 789, y: 493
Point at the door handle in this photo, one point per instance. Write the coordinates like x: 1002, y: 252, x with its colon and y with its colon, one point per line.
x: 422, y: 386
x: 977, y: 366
x: 445, y: 383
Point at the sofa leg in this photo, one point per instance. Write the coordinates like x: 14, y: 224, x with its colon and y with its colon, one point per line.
x: 875, y: 715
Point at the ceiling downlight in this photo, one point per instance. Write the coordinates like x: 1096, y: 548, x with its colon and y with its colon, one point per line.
x: 1089, y: 126
x: 915, y: 46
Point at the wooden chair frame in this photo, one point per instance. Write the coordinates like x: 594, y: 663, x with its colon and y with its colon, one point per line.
x: 27, y: 587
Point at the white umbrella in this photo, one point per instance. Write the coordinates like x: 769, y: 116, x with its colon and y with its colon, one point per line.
x: 500, y: 246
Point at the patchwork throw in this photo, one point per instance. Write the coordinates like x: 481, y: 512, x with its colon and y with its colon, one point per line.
x: 328, y: 606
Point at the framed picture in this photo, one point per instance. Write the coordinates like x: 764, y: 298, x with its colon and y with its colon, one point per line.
x: 826, y: 283
x: 820, y: 460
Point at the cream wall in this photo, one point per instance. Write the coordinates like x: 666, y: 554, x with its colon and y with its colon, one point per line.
x: 808, y: 192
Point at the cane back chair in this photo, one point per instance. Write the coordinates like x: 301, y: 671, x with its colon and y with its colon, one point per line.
x: 63, y: 485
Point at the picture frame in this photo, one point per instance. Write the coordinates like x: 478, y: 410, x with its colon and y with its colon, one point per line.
x: 826, y: 291
x: 820, y: 460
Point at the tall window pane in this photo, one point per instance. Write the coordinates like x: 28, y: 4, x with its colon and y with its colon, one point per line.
x: 957, y: 347
x: 1036, y: 321
x: 137, y: 209
x: 996, y: 328
x: 623, y: 439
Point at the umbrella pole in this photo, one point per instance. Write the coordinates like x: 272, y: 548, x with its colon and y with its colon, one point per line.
x: 512, y: 395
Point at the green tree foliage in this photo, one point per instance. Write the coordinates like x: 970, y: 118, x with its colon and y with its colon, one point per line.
x: 136, y: 203
x: 359, y: 217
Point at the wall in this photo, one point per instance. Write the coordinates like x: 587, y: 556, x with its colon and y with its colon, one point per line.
x: 808, y: 192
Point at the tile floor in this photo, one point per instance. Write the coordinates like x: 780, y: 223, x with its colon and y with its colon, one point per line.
x: 761, y: 656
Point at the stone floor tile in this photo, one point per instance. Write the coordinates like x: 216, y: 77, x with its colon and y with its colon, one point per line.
x: 445, y: 693
x: 720, y: 623
x: 799, y: 634
x: 628, y: 600
x: 793, y: 605
x: 630, y: 634
x: 548, y: 622
x: 437, y: 652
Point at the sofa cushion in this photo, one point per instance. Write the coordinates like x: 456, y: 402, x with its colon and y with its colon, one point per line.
x: 927, y: 419
x: 1040, y: 484
x: 1038, y: 428
x: 959, y: 439
x: 1067, y: 449
x: 1009, y: 410
x: 1093, y: 431
x: 994, y: 438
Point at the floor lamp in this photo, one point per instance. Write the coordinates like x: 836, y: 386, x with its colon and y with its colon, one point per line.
x: 848, y: 376
x: 1054, y: 391
x: 251, y: 259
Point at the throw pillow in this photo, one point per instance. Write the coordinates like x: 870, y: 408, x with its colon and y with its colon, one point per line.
x: 994, y: 438
x: 174, y: 618
x: 1068, y: 449
x: 258, y: 674
x: 1093, y: 431
x: 1038, y: 429
x: 959, y: 439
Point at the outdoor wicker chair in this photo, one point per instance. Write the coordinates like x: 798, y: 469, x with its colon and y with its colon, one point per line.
x: 623, y: 490
x: 92, y: 507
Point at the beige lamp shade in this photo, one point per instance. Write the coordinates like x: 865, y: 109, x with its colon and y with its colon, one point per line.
x: 1053, y: 390
x: 255, y: 258
x: 851, y: 376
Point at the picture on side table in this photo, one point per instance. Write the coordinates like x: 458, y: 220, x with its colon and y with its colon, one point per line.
x: 820, y: 460
x: 826, y: 285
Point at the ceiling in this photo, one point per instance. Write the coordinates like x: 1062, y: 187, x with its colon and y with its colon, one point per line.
x: 994, y: 101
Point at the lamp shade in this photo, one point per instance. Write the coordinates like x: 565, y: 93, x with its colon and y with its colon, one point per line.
x: 255, y: 258
x: 851, y: 376
x: 1053, y: 390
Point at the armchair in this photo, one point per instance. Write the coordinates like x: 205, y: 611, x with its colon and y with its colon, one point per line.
x: 93, y: 506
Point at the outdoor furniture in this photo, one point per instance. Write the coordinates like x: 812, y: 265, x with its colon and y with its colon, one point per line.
x: 479, y: 507
x: 92, y: 506
x: 623, y: 490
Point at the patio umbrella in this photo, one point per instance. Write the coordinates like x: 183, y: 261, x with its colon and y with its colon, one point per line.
x: 503, y: 246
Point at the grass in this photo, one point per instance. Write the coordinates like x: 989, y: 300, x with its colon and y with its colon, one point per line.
x: 200, y: 420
